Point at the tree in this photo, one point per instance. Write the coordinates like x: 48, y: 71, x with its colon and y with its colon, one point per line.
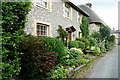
x: 97, y: 36
x: 105, y: 32
x: 13, y: 24
x: 84, y: 27
x: 63, y: 35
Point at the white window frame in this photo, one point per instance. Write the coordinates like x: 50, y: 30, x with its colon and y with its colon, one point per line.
x: 78, y: 17
x: 67, y: 10
x: 42, y: 25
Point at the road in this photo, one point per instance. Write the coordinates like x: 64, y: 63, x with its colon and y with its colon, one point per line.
x: 106, y: 67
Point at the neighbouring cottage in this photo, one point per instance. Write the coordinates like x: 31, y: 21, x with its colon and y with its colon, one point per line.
x: 116, y: 33
x: 94, y: 20
x: 46, y: 15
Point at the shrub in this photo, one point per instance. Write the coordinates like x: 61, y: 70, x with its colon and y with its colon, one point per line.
x: 95, y: 50
x: 13, y: 24
x: 107, y: 45
x: 55, y: 45
x: 59, y: 72
x: 63, y: 35
x: 84, y: 40
x: 79, y: 51
x: 97, y: 36
x: 84, y: 27
x: 92, y: 41
x: 111, y: 38
x: 37, y: 60
x: 73, y: 44
x: 81, y: 45
x: 105, y: 32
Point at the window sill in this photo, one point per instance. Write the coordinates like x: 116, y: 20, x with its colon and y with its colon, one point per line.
x: 68, y: 17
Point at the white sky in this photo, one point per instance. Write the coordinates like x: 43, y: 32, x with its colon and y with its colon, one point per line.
x: 107, y: 10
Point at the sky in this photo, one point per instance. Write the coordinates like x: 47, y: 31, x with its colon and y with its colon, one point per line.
x: 107, y: 10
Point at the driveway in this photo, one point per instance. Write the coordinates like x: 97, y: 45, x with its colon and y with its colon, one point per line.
x: 106, y: 67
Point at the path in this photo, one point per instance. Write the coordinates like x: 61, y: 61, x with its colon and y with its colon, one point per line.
x: 106, y: 67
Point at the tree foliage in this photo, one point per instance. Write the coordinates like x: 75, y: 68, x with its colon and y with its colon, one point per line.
x: 105, y: 32
x: 84, y: 27
x: 13, y: 24
x: 63, y: 35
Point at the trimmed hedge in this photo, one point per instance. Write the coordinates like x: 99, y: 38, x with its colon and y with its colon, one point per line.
x: 13, y: 24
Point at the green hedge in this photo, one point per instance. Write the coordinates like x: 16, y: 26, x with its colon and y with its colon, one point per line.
x: 13, y: 24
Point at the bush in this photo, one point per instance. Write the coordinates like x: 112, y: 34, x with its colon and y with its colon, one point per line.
x: 81, y: 45
x: 55, y: 45
x: 107, y: 46
x: 105, y: 32
x: 79, y: 51
x: 73, y: 44
x: 37, y: 60
x: 59, y: 72
x: 63, y: 35
x: 84, y: 26
x: 84, y: 40
x: 95, y: 50
x: 97, y: 36
x: 13, y: 24
x: 111, y: 38
x: 92, y: 41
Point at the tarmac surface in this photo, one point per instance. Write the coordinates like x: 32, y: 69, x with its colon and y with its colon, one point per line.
x: 105, y: 67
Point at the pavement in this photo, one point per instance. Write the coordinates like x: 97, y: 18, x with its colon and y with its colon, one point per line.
x: 105, y: 67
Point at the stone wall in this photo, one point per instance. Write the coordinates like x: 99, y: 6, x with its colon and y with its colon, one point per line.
x: 53, y: 18
x: 93, y: 28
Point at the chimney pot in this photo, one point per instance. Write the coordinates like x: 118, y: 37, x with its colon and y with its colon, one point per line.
x: 89, y: 5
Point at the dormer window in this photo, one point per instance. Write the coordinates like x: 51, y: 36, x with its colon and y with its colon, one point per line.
x: 42, y: 3
x: 67, y: 11
x: 78, y: 18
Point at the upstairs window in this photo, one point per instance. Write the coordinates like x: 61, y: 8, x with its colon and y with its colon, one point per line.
x: 78, y: 18
x: 42, y: 3
x: 42, y: 30
x: 67, y: 10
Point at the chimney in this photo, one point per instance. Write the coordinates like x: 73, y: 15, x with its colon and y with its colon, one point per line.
x: 89, y: 5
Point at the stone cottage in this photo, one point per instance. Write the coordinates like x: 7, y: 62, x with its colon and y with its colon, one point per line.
x: 94, y: 20
x: 46, y: 15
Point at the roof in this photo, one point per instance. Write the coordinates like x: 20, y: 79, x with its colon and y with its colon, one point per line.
x: 75, y: 7
x: 71, y: 29
x: 114, y: 31
x: 93, y: 17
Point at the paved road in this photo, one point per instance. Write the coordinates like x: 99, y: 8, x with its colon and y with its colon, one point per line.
x: 106, y: 67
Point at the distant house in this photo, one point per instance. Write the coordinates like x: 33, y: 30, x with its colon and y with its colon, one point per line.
x: 116, y: 33
x: 45, y: 16
x: 94, y: 20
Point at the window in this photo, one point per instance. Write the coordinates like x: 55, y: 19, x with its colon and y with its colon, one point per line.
x: 67, y: 10
x: 78, y: 18
x: 42, y: 30
x: 42, y: 3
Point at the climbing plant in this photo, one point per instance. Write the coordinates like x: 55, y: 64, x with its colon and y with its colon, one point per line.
x: 13, y: 24
x: 84, y: 26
